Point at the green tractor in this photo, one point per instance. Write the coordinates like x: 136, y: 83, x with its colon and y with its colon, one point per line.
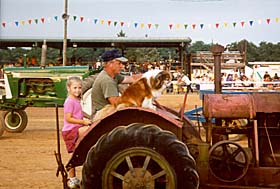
x: 24, y: 87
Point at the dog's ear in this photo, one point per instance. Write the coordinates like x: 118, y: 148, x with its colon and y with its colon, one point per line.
x: 163, y: 75
x: 160, y: 78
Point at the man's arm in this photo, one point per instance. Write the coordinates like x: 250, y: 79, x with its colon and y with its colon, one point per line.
x: 113, y: 99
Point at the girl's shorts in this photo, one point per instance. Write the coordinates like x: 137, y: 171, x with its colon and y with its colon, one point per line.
x: 70, y: 137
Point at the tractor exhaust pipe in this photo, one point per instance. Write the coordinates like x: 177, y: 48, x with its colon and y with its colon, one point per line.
x: 44, y: 54
x: 217, y: 51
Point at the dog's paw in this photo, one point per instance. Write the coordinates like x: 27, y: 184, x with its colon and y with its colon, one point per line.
x: 153, y: 107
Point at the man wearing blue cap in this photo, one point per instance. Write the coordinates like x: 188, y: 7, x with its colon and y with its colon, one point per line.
x: 105, y: 88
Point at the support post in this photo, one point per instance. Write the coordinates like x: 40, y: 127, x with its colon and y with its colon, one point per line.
x: 65, y: 16
x: 217, y: 51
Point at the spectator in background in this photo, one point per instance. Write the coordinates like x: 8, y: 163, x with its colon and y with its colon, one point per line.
x: 185, y: 79
x: 276, y: 79
x: 19, y: 62
x: 1, y: 72
x: 73, y: 60
x: 59, y: 61
x: 266, y: 76
x: 33, y: 61
x: 79, y: 61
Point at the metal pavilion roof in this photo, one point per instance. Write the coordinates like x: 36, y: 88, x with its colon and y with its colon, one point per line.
x: 121, y: 42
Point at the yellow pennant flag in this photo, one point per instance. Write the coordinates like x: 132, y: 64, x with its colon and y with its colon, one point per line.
x: 277, y: 20
x: 142, y: 25
x: 226, y: 24
x: 22, y: 22
x: 177, y: 26
x: 102, y: 22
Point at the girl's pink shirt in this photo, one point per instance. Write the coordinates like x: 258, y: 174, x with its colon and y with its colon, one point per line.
x: 74, y: 107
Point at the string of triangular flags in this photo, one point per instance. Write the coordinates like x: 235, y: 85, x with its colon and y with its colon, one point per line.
x: 114, y: 23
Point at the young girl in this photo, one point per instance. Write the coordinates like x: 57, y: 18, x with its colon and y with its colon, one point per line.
x: 74, y: 124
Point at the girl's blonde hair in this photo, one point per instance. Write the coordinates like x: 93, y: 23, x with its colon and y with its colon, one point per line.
x: 71, y: 79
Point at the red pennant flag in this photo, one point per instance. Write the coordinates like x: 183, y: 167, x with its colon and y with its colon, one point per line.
x: 29, y: 21
x: 193, y: 26
x: 122, y: 23
x: 43, y: 20
x: 242, y: 23
x: 81, y: 18
x: 109, y: 22
x: 268, y: 20
x: 149, y: 26
x: 217, y: 25
x: 170, y: 26
x: 4, y: 24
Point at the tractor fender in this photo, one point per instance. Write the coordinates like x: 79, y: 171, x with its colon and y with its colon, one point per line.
x: 123, y: 117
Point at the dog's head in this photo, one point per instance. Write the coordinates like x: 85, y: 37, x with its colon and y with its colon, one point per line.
x: 157, y: 80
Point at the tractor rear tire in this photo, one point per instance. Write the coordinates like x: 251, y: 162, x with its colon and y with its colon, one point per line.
x: 138, y: 156
x: 1, y: 127
x: 14, y: 122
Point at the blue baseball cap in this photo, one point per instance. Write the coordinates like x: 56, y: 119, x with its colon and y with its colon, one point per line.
x: 113, y: 54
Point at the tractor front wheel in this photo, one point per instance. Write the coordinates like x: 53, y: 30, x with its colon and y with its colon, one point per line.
x: 14, y: 121
x: 139, y: 156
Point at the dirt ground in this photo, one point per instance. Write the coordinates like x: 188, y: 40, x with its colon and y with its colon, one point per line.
x: 27, y: 159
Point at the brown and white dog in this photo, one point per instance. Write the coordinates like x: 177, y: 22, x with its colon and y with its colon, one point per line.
x: 141, y: 93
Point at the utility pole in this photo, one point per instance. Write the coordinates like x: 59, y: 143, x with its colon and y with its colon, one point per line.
x: 65, y: 16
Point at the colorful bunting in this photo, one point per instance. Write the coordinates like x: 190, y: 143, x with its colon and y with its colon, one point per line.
x: 110, y: 23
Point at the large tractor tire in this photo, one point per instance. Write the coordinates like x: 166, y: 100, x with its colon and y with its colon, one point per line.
x: 14, y: 121
x: 139, y: 156
x: 1, y: 128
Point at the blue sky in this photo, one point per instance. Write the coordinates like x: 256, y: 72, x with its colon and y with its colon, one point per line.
x: 180, y: 15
